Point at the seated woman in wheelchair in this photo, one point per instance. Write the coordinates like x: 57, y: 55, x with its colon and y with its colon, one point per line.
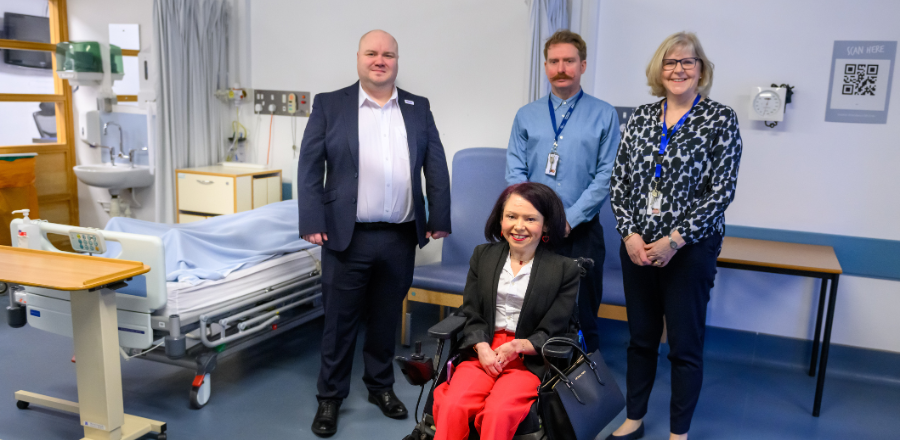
x: 518, y: 294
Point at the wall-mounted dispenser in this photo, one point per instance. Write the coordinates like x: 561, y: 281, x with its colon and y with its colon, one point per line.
x: 91, y: 63
x: 81, y: 62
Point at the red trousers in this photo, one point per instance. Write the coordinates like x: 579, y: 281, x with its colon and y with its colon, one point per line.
x: 498, y: 405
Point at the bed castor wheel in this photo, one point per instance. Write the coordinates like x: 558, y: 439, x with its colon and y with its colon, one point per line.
x: 21, y: 404
x: 16, y: 316
x: 162, y: 436
x: 200, y: 394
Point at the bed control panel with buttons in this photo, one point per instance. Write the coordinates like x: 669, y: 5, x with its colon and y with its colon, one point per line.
x: 88, y: 240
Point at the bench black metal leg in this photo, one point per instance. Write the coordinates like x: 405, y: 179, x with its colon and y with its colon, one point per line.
x: 815, y: 348
x: 826, y: 344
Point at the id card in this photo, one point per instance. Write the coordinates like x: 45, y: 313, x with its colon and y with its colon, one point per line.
x: 654, y: 204
x: 552, y: 163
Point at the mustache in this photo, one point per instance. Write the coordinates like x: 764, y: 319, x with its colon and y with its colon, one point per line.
x: 560, y: 75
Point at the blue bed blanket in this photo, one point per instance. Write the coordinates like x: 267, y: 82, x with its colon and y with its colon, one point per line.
x: 213, y: 248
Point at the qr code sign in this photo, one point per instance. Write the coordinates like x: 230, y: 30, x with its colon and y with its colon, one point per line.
x: 859, y: 79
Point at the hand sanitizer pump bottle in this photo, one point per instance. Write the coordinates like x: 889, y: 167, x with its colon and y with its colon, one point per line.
x: 29, y: 236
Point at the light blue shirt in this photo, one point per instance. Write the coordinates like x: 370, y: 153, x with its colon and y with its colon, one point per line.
x: 586, y: 147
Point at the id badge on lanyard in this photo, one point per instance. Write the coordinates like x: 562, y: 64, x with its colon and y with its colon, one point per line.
x: 654, y: 197
x: 552, y: 162
x: 553, y: 157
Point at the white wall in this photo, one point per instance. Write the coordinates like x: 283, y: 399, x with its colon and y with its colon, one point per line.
x: 806, y: 174
x: 467, y: 57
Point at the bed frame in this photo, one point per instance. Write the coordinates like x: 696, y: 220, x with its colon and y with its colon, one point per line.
x: 196, y: 340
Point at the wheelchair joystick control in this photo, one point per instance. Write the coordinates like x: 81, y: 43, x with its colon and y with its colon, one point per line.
x: 417, y: 369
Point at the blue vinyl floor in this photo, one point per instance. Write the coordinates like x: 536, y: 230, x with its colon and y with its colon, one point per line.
x: 753, y: 389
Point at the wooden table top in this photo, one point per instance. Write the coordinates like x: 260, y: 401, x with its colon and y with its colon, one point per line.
x: 780, y: 255
x: 63, y: 271
x: 228, y: 170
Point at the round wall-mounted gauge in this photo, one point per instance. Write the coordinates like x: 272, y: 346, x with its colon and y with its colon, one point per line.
x: 767, y: 103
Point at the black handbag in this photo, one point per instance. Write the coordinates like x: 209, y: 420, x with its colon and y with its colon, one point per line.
x: 579, y: 402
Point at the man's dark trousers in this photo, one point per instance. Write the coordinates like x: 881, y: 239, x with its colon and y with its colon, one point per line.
x: 365, y: 283
x: 586, y: 240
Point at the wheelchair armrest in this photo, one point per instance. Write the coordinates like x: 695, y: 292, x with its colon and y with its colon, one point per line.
x: 447, y: 328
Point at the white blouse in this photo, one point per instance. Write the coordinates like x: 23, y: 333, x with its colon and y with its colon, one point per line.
x: 510, y: 295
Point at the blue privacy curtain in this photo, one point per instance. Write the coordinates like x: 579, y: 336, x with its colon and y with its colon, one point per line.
x: 191, y: 50
x: 547, y: 17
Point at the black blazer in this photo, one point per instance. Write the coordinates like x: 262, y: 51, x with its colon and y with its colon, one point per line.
x: 331, y: 144
x: 547, y: 309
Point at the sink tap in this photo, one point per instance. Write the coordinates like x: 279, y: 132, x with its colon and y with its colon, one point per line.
x: 132, y: 153
x: 112, y: 156
x: 111, y: 153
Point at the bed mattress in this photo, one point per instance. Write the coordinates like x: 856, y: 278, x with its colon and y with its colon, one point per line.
x: 186, y: 299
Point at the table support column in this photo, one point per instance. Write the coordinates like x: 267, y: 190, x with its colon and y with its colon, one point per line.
x: 815, y: 349
x: 826, y: 344
x: 98, y: 369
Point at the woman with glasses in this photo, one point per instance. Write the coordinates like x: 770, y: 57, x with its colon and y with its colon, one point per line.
x: 674, y: 176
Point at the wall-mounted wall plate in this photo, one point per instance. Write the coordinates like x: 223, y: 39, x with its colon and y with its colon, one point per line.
x: 282, y: 102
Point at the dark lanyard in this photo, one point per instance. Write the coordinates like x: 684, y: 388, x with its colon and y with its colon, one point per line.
x: 664, y: 140
x: 565, y: 119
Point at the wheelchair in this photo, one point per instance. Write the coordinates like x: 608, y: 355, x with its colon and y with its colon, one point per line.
x: 419, y: 371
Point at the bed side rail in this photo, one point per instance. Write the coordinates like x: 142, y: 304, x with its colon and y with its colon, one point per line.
x: 144, y: 248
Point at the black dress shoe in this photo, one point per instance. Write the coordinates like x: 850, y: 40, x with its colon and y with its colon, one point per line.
x: 390, y: 405
x: 325, y: 422
x: 634, y: 435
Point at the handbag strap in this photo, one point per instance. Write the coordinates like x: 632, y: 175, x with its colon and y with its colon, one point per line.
x: 569, y: 342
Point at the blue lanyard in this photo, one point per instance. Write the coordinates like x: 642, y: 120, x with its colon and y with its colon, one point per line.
x: 664, y: 140
x: 565, y: 118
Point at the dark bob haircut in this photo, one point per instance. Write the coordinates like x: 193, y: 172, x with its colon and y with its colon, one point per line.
x: 543, y: 199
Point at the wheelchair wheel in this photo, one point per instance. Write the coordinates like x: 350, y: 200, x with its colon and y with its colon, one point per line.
x: 200, y: 394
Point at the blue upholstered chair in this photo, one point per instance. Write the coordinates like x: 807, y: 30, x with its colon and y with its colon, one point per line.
x: 478, y: 179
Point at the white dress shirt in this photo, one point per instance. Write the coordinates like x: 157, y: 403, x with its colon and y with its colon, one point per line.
x: 510, y: 295
x: 385, y: 186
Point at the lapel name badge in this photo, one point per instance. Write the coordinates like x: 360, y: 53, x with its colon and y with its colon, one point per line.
x: 409, y: 102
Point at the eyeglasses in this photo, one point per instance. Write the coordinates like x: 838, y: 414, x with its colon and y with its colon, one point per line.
x: 686, y: 63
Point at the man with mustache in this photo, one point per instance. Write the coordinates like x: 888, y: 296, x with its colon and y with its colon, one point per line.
x: 567, y: 140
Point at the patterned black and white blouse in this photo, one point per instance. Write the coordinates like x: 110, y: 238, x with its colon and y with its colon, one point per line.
x: 699, y: 173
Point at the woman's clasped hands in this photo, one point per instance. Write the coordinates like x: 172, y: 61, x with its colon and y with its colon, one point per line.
x: 494, y: 360
x: 657, y: 254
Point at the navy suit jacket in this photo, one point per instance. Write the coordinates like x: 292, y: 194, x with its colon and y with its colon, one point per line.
x: 330, y: 148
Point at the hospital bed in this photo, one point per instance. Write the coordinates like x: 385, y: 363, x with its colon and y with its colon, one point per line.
x: 183, y: 314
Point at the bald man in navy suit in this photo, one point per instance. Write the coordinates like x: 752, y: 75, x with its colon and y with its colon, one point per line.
x: 373, y: 141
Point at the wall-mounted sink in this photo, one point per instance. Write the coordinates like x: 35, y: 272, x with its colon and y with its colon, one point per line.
x: 114, y: 177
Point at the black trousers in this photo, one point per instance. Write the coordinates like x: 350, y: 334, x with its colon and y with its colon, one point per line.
x: 365, y: 283
x: 680, y: 292
x: 586, y: 240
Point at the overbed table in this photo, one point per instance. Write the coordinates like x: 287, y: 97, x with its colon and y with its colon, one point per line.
x: 92, y: 282
x: 792, y: 259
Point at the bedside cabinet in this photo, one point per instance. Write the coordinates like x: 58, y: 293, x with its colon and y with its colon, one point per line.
x: 205, y: 192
